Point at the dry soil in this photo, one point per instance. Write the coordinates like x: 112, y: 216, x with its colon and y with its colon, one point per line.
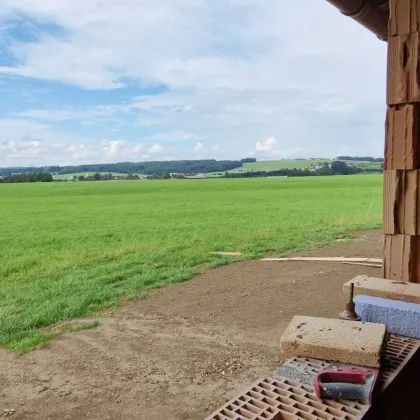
x: 184, y: 350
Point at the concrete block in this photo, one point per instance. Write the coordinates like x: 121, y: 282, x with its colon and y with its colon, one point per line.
x: 400, y: 317
x: 334, y: 339
x: 388, y: 289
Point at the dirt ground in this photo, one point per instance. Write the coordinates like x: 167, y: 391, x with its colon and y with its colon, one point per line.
x: 183, y: 351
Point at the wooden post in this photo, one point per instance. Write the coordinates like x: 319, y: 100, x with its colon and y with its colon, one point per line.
x: 402, y: 144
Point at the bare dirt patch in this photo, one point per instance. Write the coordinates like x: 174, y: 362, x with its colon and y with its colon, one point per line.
x: 184, y: 350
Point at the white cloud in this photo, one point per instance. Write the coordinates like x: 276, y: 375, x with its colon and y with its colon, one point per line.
x: 233, y: 72
x: 138, y: 149
x: 185, y: 43
x: 268, y: 145
x: 113, y: 148
x: 56, y: 115
x: 155, y: 149
x: 199, y: 147
x: 70, y: 150
x: 271, y: 149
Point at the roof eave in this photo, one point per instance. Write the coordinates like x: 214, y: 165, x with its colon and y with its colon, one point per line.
x: 372, y: 14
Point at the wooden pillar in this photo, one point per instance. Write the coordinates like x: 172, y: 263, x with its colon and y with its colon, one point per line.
x: 402, y: 144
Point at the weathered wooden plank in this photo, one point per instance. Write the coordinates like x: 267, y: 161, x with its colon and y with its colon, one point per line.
x: 326, y: 259
x: 405, y: 17
x: 363, y: 264
x: 402, y: 142
x: 403, y: 66
x: 401, y: 210
x: 401, y: 260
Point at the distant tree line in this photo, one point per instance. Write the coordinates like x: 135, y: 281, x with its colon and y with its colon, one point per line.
x: 104, y: 177
x: 337, y: 168
x: 360, y: 158
x: 31, y: 177
x: 147, y: 168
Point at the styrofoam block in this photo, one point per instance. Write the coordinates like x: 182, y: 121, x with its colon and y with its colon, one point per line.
x: 400, y: 317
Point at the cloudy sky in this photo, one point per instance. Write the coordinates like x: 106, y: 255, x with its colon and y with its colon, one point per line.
x: 103, y: 81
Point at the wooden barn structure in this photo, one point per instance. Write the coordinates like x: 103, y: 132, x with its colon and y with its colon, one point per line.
x: 397, y: 22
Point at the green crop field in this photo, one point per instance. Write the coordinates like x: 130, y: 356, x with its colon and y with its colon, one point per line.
x: 371, y: 165
x: 274, y: 165
x: 70, y: 249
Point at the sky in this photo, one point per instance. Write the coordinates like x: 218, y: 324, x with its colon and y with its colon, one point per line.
x: 90, y: 81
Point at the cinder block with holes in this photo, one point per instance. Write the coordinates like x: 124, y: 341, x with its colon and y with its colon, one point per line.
x: 280, y: 398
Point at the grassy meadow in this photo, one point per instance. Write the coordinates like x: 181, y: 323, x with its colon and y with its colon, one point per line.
x: 275, y: 165
x: 70, y: 249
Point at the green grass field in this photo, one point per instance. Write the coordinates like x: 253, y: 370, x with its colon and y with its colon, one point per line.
x: 274, y: 165
x: 372, y: 165
x: 70, y: 249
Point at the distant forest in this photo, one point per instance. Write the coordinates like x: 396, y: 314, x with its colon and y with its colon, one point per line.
x: 361, y: 159
x: 337, y: 167
x: 147, y: 168
x: 14, y: 174
x: 28, y: 177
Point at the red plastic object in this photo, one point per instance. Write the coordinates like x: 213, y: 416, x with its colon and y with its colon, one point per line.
x: 346, y: 382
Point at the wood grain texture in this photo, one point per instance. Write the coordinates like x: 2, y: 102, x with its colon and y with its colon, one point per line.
x: 403, y: 69
x: 401, y: 258
x: 402, y: 141
x: 401, y: 212
x: 405, y: 17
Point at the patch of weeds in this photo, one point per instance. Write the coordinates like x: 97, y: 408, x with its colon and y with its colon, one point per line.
x: 135, y: 295
x: 70, y: 327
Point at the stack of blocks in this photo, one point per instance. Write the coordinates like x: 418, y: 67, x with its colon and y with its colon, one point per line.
x: 393, y: 303
x: 383, y: 305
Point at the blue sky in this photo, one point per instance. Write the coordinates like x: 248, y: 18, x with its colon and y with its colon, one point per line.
x: 105, y: 81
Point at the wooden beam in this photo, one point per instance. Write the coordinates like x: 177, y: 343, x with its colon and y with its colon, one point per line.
x: 402, y: 145
x: 327, y: 259
x: 364, y: 264
x: 403, y: 137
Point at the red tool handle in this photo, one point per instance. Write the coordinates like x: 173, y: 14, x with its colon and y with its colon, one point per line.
x: 342, y: 376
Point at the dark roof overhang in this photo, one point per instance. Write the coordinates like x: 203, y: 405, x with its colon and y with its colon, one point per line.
x: 372, y: 14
